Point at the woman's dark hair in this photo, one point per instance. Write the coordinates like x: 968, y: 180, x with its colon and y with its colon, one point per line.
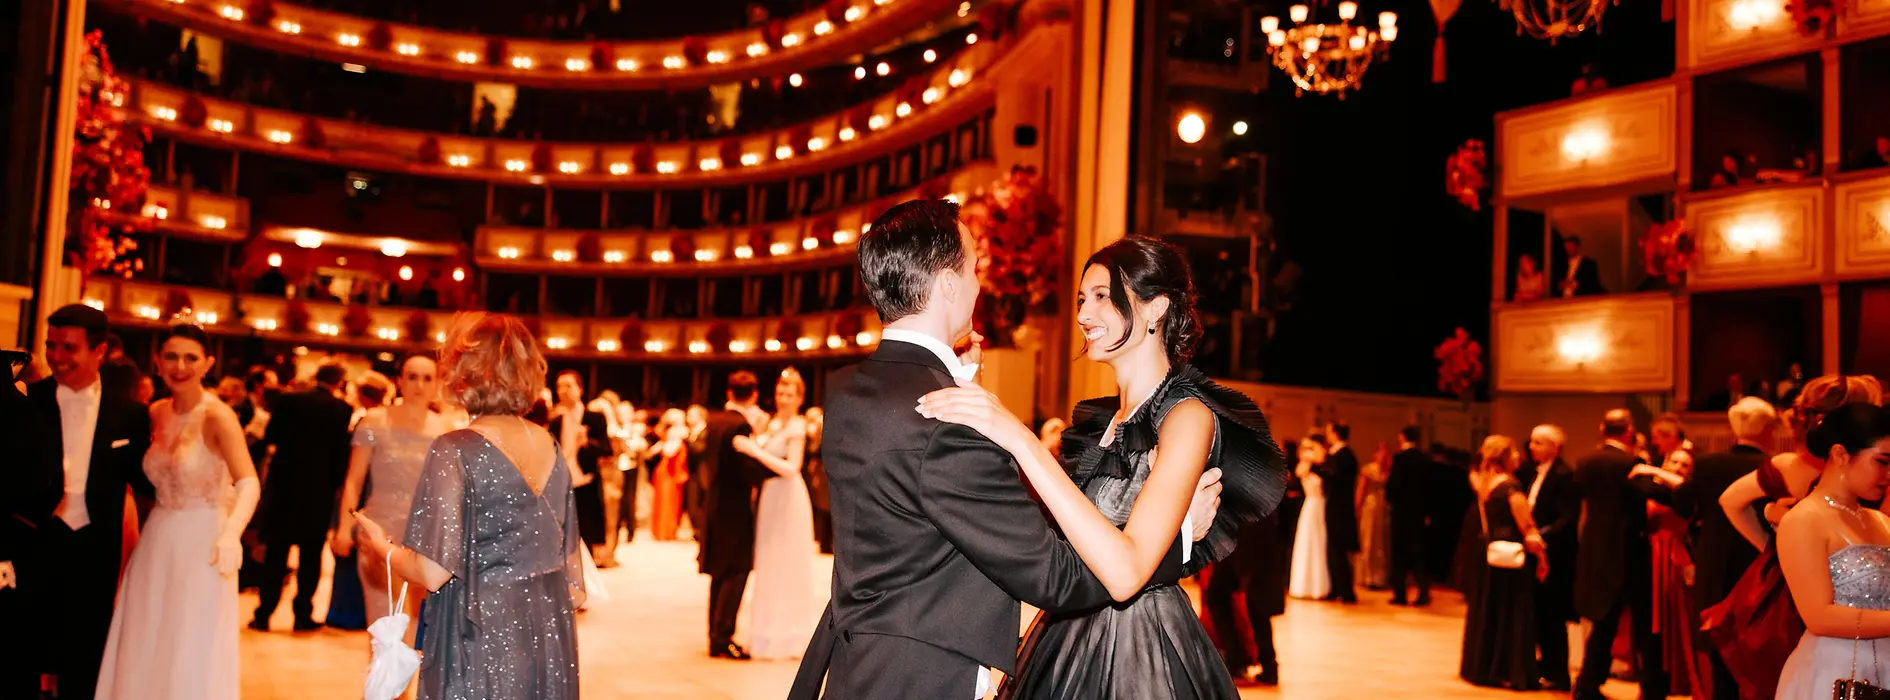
x: 1854, y: 426
x: 1151, y: 269
x: 401, y: 367
x: 187, y: 331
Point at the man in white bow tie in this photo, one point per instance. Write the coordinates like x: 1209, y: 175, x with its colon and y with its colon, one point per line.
x: 94, y: 435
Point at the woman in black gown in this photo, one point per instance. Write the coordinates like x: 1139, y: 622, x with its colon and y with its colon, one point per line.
x: 1499, y: 630
x: 1120, y: 506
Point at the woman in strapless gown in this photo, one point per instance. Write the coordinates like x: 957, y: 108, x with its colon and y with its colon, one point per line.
x: 1308, y: 578
x: 390, y: 448
x: 174, y: 633
x: 785, y: 599
x: 1836, y: 557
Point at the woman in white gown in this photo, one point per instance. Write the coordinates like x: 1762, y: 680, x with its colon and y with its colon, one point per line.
x: 1307, y: 577
x: 784, y: 602
x: 1835, y: 555
x: 174, y: 633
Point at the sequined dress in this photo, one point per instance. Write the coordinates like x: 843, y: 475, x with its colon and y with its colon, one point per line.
x: 1152, y: 647
x: 1860, y: 578
x: 502, y: 628
x: 393, y: 474
x: 174, y: 633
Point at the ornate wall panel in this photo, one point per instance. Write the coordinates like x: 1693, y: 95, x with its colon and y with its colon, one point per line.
x: 1865, y: 15
x: 1611, y: 344
x: 1863, y: 227
x: 1609, y: 139
x: 1768, y: 237
x: 1728, y: 32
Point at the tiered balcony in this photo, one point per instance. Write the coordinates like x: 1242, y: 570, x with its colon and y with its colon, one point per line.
x: 1621, y: 140
x: 1863, y: 227
x: 1614, y: 344
x: 1764, y: 237
x: 194, y: 213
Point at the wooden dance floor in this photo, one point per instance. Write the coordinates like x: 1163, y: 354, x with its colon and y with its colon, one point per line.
x: 647, y: 642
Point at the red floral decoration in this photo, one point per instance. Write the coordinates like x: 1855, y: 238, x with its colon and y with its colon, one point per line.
x: 1459, y: 365
x: 603, y: 56
x: 541, y: 158
x: 848, y: 325
x: 772, y: 33
x: 913, y: 92
x: 861, y: 118
x: 695, y: 50
x: 1018, y: 228
x: 297, y: 318
x: 718, y: 337
x: 683, y: 247
x: 429, y: 153
x: 730, y: 152
x: 761, y: 241
x: 419, y: 327
x: 380, y: 38
x: 260, y: 12
x: 643, y: 159
x: 590, y: 248
x: 1465, y: 174
x: 837, y: 10
x: 632, y: 335
x: 789, y: 332
x: 1814, y: 16
x: 994, y: 19
x: 935, y: 188
x: 356, y: 320
x: 1667, y: 250
x: 312, y: 136
x: 108, y: 171
x: 194, y: 113
x: 798, y: 136
x: 822, y: 230
x: 495, y: 52
x: 177, y: 303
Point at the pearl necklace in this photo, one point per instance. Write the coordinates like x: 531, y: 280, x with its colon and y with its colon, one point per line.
x: 1852, y: 510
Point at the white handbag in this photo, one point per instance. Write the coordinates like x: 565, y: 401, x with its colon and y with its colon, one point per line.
x: 393, y: 663
x: 1500, y: 554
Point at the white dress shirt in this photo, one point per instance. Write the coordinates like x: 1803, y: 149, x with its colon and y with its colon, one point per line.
x: 78, y: 424
x: 1535, y: 487
x: 958, y: 369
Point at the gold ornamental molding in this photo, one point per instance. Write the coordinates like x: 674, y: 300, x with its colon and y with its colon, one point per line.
x: 1742, y: 31
x: 1865, y: 15
x: 1770, y: 237
x: 1596, y: 345
x: 1863, y: 227
x: 1609, y: 139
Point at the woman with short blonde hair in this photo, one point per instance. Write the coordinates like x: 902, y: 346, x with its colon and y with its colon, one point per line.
x: 493, y: 532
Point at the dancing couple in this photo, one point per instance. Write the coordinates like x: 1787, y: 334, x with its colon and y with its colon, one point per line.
x: 937, y: 539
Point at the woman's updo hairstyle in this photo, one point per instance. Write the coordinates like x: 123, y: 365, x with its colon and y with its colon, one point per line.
x: 1854, y: 426
x: 187, y: 331
x: 1496, y: 453
x: 1826, y: 394
x: 1152, y: 269
x: 490, y: 365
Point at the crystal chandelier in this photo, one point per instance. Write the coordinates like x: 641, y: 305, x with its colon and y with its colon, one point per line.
x: 1554, y: 19
x: 1327, y: 58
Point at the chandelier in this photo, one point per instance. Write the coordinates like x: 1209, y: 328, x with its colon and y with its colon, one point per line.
x: 1327, y: 58
x: 1554, y: 19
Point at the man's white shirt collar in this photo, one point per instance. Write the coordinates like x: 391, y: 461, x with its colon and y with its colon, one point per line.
x: 959, y: 370
x: 90, y: 391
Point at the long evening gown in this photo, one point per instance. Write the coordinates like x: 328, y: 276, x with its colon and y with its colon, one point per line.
x: 1152, y: 647
x: 1675, y: 620
x: 503, y: 628
x: 174, y: 636
x: 1374, y: 528
x: 784, y: 597
x: 1309, y: 577
x: 1860, y: 578
x: 667, y: 480
x: 394, y: 470
x: 1499, y: 627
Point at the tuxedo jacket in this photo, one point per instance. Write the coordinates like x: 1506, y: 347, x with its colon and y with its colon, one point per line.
x: 595, y: 447
x: 310, y: 433
x: 1720, y: 554
x: 728, y: 543
x: 32, y: 479
x: 936, y: 538
x: 1340, y: 475
x: 119, y: 440
x: 1411, y: 489
x: 1614, y: 560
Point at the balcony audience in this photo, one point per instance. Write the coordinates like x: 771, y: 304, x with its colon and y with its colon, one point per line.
x: 1581, y: 276
x: 1530, y: 285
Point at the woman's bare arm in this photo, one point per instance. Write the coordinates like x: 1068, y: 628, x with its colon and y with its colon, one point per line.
x: 1737, y: 501
x: 1804, y: 553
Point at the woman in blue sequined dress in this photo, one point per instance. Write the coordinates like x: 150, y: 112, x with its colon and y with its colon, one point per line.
x: 1836, y: 557
x: 1133, y: 462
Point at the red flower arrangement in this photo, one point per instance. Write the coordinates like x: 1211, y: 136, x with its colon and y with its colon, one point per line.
x: 837, y: 10
x: 995, y: 19
x: 261, y: 12
x: 1465, y: 174
x: 848, y: 325
x: 380, y: 37
x: 194, y: 113
x: 718, y: 337
x: 772, y: 33
x: 822, y: 230
x: 108, y: 170
x: 176, y: 303
x: 789, y: 332
x: 312, y: 136
x: 632, y: 335
x: 695, y: 51
x: 683, y: 247
x: 1813, y: 16
x: 419, y: 327
x: 602, y: 56
x: 1459, y: 365
x: 590, y: 248
x: 1667, y: 251
x: 541, y: 158
x: 495, y: 52
x: 797, y: 138
x: 296, y: 319
x: 1018, y: 229
x: 356, y: 320
x: 730, y: 152
x: 761, y: 241
x: 429, y: 153
x: 643, y: 159
x: 861, y: 118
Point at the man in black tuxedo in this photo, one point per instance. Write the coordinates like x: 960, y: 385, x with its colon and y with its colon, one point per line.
x: 1556, y: 505
x: 1580, y: 275
x: 1410, y: 490
x: 1340, y: 475
x: 308, y: 432
x: 696, y: 490
x: 96, y: 436
x: 728, y: 530
x: 31, y: 485
x: 935, y: 536
x: 1720, y: 553
x: 1614, y: 571
x: 587, y: 450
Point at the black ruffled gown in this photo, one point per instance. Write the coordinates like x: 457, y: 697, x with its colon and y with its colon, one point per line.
x: 1152, y: 647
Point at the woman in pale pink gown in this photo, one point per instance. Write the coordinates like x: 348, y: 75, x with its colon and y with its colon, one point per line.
x: 173, y: 636
x: 785, y: 599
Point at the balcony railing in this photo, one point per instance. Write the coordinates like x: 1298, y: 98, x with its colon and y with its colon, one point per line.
x: 192, y: 213
x: 1768, y: 236
x: 1723, y: 33
x: 1614, y: 344
x: 1613, y: 138
x: 1863, y: 227
x: 809, y: 39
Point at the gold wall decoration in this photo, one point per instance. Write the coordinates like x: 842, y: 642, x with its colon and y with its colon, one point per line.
x: 1768, y: 237
x: 1612, y: 344
x: 1865, y: 15
x: 1741, y: 31
x: 1863, y: 227
x: 1609, y: 139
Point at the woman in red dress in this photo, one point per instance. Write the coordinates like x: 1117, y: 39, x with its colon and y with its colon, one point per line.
x: 669, y: 475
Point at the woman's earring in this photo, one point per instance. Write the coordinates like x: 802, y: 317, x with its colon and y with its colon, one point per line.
x: 1151, y: 330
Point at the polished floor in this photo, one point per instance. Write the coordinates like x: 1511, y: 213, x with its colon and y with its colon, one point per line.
x: 647, y: 643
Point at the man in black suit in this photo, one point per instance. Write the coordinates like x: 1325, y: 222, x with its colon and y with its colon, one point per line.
x: 31, y: 485
x: 728, y: 537
x: 586, y: 445
x: 1556, y: 505
x: 696, y: 490
x: 1720, y: 553
x: 1614, y: 571
x: 935, y: 536
x: 1410, y: 490
x: 308, y: 432
x: 1580, y: 275
x: 1340, y: 474
x: 96, y: 436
